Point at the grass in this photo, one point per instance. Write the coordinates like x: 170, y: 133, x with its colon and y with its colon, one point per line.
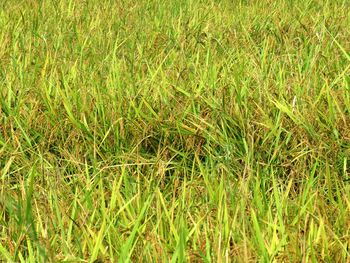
x: 174, y: 131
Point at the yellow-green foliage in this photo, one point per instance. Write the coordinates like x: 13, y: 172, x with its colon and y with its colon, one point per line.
x: 174, y: 131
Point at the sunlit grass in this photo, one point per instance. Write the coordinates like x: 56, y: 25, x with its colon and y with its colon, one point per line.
x: 174, y: 131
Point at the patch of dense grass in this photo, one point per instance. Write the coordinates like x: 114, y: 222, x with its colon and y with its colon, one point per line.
x: 156, y: 131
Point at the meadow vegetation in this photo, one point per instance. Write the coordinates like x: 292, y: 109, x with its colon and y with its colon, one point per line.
x: 175, y: 131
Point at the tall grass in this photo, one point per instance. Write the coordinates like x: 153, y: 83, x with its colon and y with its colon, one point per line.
x: 174, y: 131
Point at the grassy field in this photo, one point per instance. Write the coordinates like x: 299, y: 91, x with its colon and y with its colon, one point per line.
x: 175, y: 131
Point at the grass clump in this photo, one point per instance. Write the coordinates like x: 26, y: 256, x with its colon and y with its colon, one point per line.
x: 174, y: 131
